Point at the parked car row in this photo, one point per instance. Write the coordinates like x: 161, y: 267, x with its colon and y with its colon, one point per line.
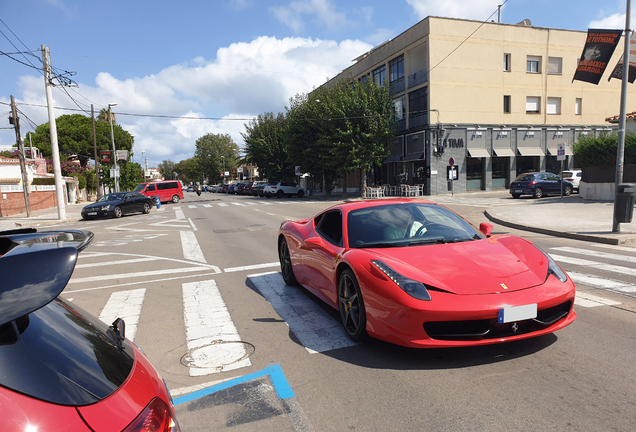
x: 257, y: 188
x: 540, y: 184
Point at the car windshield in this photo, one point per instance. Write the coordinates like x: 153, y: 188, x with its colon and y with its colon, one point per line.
x: 407, y: 224
x: 139, y: 188
x: 525, y: 177
x: 112, y: 197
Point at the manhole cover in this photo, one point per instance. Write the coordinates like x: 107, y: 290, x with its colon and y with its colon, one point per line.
x: 217, y: 354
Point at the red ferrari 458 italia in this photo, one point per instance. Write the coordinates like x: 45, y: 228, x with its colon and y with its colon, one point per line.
x: 62, y: 369
x: 414, y: 273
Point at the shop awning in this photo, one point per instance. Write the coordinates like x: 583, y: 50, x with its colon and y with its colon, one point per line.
x: 393, y: 158
x: 413, y: 156
x: 552, y: 149
x: 530, y: 151
x: 503, y: 152
x: 478, y: 152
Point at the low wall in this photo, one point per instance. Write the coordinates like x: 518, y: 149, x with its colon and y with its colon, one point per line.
x: 12, y: 203
x: 597, y: 191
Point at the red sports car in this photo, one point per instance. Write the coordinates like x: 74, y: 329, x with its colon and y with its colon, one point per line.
x: 62, y: 369
x: 414, y: 273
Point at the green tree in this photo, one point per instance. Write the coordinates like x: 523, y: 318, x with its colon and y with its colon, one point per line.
x: 188, y: 170
x: 211, y: 151
x: 167, y: 168
x: 130, y: 175
x: 75, y: 136
x: 265, y: 145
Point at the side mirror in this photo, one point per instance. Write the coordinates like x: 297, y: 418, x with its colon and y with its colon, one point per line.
x: 313, y: 242
x: 485, y: 228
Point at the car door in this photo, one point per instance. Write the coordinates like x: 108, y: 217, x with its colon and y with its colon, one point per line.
x: 128, y: 203
x: 321, y: 255
x: 555, y: 183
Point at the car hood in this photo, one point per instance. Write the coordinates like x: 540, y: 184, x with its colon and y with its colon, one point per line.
x: 492, y: 265
x: 101, y: 204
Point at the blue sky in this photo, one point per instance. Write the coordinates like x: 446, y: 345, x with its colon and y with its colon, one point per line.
x: 226, y: 59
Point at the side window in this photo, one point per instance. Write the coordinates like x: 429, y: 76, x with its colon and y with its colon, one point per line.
x: 171, y: 185
x: 150, y: 188
x: 330, y: 227
x: 161, y: 186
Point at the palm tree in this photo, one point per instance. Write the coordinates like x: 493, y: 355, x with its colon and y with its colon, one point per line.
x: 105, y: 114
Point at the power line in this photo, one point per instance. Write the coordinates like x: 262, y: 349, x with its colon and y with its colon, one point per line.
x: 16, y: 36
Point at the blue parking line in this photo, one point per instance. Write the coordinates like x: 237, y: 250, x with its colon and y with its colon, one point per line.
x: 276, y: 376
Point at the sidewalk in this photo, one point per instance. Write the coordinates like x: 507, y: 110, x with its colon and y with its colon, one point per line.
x: 42, y: 218
x: 570, y: 217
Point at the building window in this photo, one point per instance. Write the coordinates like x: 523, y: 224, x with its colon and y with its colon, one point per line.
x: 399, y: 105
x: 396, y: 69
x: 363, y: 79
x: 506, y: 104
x: 507, y: 64
x: 417, y: 103
x: 533, y: 64
x: 578, y: 105
x: 379, y: 75
x: 533, y: 104
x: 554, y: 106
x: 555, y: 65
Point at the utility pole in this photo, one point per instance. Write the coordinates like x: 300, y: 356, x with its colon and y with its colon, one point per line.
x: 18, y: 138
x: 99, y: 193
x: 112, y: 140
x: 57, y: 169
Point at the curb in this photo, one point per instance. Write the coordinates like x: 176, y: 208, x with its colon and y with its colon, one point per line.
x: 574, y: 236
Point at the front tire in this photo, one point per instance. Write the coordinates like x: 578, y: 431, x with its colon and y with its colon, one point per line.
x: 538, y: 192
x: 146, y: 209
x: 280, y: 194
x: 351, y: 307
x: 117, y: 212
x: 286, y: 267
x: 301, y: 193
x: 567, y: 190
x: 175, y: 199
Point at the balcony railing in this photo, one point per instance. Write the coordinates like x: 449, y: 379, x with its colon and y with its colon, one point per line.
x: 417, y: 121
x: 398, y: 85
x: 418, y: 77
x: 400, y: 125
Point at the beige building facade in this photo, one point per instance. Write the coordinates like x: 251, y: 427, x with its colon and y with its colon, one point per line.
x: 496, y: 98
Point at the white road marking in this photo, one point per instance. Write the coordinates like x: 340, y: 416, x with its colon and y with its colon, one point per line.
x: 192, y: 206
x: 238, y: 204
x: 222, y: 204
x: 127, y: 306
x: 145, y: 282
x: 110, y: 263
x: 136, y: 275
x: 178, y: 213
x: 596, y: 254
x: 594, y: 264
x: 169, y: 223
x: 271, y: 214
x: 251, y: 267
x: 602, y: 283
x: 207, y: 205
x: 191, y: 249
x: 316, y: 330
x: 192, y: 389
x: 207, y: 320
x: 590, y: 300
x: 616, y: 248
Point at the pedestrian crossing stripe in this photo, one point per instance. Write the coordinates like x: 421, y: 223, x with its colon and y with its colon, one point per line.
x: 127, y: 306
x: 590, y: 300
x: 594, y: 264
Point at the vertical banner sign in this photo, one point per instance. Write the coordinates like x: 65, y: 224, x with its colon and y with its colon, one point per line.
x: 597, y: 52
x: 618, y: 70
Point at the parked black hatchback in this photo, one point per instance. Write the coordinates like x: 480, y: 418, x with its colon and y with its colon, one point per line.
x: 539, y: 184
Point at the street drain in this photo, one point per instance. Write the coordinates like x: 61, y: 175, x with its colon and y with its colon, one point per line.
x: 217, y: 354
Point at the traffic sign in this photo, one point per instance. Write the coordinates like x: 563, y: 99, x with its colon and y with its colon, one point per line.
x: 561, y: 151
x: 451, y: 161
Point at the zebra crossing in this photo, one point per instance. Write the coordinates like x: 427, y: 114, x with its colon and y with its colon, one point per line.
x: 248, y: 204
x: 214, y: 343
x: 472, y: 201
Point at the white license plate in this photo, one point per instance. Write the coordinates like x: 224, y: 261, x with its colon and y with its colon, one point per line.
x: 517, y: 313
x: 518, y: 190
x: 92, y: 213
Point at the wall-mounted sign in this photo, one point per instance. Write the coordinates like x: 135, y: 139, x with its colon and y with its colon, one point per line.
x: 105, y: 156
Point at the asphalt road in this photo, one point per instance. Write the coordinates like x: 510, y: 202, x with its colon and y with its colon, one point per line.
x: 214, y: 257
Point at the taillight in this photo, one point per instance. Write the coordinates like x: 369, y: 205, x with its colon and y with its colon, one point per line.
x: 156, y: 417
x: 570, y: 179
x: 532, y: 183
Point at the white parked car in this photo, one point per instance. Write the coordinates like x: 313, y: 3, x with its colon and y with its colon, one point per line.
x: 282, y: 188
x: 573, y: 176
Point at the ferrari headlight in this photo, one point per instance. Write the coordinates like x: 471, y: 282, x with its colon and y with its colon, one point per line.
x: 413, y: 288
x: 553, y: 267
x: 105, y: 208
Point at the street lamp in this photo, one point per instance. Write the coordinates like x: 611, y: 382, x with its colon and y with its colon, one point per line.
x: 112, y: 139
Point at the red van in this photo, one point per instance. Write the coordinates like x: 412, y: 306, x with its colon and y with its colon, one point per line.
x: 169, y: 190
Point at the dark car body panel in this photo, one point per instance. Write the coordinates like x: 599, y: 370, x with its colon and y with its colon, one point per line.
x: 129, y: 202
x: 527, y: 184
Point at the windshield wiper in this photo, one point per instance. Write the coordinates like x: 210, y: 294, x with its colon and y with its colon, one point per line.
x: 381, y: 245
x: 439, y: 241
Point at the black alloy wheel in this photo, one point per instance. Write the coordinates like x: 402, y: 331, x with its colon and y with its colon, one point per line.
x: 117, y: 212
x: 175, y: 199
x: 351, y: 306
x: 146, y: 209
x: 538, y: 192
x: 286, y: 268
x: 280, y: 193
x: 567, y: 190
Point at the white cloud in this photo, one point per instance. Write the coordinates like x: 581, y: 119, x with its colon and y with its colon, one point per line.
x: 475, y: 9
x: 322, y: 11
x: 614, y: 21
x: 239, y: 4
x: 244, y: 80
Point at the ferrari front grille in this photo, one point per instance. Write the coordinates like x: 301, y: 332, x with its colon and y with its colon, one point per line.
x: 470, y: 330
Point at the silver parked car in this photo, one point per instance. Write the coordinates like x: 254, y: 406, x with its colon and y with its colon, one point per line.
x: 573, y: 176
